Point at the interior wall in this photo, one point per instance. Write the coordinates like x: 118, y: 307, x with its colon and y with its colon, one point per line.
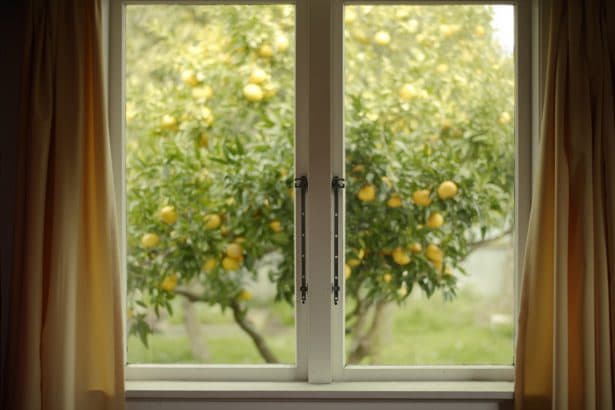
x: 11, y: 52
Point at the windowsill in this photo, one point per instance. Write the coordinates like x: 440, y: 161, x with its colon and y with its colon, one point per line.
x: 470, y: 390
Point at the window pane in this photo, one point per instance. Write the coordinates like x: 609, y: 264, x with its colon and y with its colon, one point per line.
x: 430, y: 161
x: 209, y: 168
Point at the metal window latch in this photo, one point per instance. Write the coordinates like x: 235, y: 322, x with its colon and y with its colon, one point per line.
x: 301, y: 183
x: 337, y: 183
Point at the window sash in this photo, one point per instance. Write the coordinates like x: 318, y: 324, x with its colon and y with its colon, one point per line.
x: 523, y: 170
x: 231, y: 372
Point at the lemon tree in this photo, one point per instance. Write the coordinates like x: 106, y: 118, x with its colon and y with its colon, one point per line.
x: 210, y: 130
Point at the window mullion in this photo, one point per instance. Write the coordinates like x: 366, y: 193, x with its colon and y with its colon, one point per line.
x: 319, y: 201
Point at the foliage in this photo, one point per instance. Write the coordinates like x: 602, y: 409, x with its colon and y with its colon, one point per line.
x: 210, y: 129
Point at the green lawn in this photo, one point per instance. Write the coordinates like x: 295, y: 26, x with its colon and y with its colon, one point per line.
x: 424, y: 332
x: 438, y: 332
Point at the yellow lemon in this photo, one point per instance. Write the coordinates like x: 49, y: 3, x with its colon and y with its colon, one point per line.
x: 402, y: 291
x: 435, y: 220
x: 434, y: 253
x: 253, y: 93
x: 360, y: 36
x: 270, y: 90
x: 209, y: 265
x: 224, y: 230
x: 447, y: 189
x: 387, y: 181
x: 207, y: 116
x: 169, y: 122
x: 387, y: 277
x: 245, y: 295
x: 189, y: 78
x: 447, y: 30
x: 361, y: 253
x: 202, y: 93
x: 400, y: 256
x: 258, y: 76
x: 407, y: 92
x: 394, y: 201
x: 504, y: 118
x: 382, y: 38
x: 265, y: 51
x: 415, y: 247
x: 421, y: 197
x: 349, y: 16
x: 281, y: 43
x: 347, y: 271
x: 230, y: 263
x: 204, y: 140
x: 168, y: 215
x: 358, y: 168
x: 240, y: 239
x: 213, y: 221
x: 276, y: 226
x: 367, y: 193
x: 150, y: 240
x: 353, y: 263
x: 169, y: 283
x: 441, y: 68
x: 479, y: 31
x: 131, y: 111
x: 234, y: 250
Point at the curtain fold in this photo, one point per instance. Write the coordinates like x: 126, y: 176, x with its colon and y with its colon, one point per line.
x: 65, y: 349
x: 565, y: 355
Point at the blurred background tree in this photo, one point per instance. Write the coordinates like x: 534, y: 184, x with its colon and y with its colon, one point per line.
x: 210, y: 148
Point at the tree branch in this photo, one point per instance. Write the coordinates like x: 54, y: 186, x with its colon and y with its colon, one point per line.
x: 239, y: 316
x: 191, y: 296
x: 486, y: 242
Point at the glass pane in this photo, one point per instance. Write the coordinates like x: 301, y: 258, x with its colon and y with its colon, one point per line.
x: 209, y: 166
x: 430, y: 160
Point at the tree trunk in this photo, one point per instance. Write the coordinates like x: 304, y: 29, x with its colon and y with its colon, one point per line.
x: 367, y: 343
x: 258, y: 340
x: 382, y: 333
x: 193, y: 330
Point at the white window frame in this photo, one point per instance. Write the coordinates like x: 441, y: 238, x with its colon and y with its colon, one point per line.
x: 319, y: 123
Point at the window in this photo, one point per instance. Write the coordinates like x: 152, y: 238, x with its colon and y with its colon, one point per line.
x: 394, y: 259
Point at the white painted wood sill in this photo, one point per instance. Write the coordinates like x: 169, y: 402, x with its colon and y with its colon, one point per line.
x: 338, y: 391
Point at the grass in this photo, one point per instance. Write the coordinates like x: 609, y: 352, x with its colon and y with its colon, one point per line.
x: 423, y: 332
x: 438, y: 332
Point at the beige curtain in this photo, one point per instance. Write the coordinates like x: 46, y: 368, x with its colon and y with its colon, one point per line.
x: 66, y: 322
x: 565, y: 356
